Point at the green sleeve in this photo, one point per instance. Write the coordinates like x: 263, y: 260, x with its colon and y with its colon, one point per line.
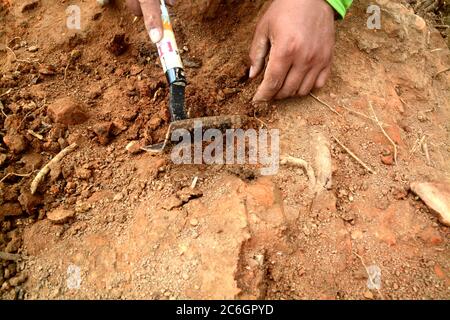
x: 340, y: 6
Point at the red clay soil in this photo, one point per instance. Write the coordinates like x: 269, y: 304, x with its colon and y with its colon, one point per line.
x: 129, y: 224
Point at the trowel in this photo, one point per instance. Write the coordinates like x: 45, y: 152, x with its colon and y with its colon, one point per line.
x: 172, y: 65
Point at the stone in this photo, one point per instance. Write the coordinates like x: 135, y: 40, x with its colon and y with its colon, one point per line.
x: 15, y: 142
x: 103, y: 131
x: 193, y: 222
x: 83, y: 173
x: 187, y: 194
x: 14, y: 245
x: 67, y: 111
x: 10, y: 209
x: 133, y: 147
x: 33, y: 48
x: 172, y: 203
x: 387, y: 160
x: 154, y: 123
x: 18, y: 280
x: 30, y: 202
x: 32, y: 161
x: 436, y: 195
x: 60, y: 215
x: 118, y: 197
x: 368, y: 295
x: 3, y: 159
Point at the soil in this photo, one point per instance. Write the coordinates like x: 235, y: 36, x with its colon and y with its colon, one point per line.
x: 113, y: 223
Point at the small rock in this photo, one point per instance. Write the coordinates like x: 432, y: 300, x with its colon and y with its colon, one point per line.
x: 30, y: 202
x: 419, y: 23
x: 82, y: 207
x: 436, y: 196
x: 33, y: 48
x: 154, y: 123
x: 60, y: 215
x: 192, y: 63
x: 399, y: 193
x: 133, y: 147
x: 18, y: 280
x: 15, y: 142
x: 14, y: 245
x: 103, y: 132
x: 135, y: 70
x: 94, y: 92
x: 5, y: 286
x: 193, y: 222
x: 187, y: 194
x: 118, y: 197
x: 387, y: 160
x: 32, y: 161
x: 83, y: 174
x: 67, y: 111
x: 119, y: 126
x: 10, y: 209
x: 3, y: 158
x: 172, y: 203
x: 102, y: 2
x: 368, y: 295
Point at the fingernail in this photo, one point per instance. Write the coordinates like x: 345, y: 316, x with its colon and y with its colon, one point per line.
x: 251, y: 73
x: 155, y: 35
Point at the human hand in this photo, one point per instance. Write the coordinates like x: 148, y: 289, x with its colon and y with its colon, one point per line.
x: 300, y: 36
x: 151, y: 11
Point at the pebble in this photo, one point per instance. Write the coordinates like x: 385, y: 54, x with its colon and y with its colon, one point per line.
x: 118, y: 197
x: 18, y: 280
x: 194, y: 222
x: 368, y: 295
x: 60, y: 215
x: 67, y: 111
x: 33, y: 48
x: 436, y: 196
x: 133, y: 147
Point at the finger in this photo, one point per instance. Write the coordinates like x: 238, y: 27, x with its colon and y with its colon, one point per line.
x: 323, y: 77
x: 134, y: 6
x: 276, y: 71
x: 152, y: 18
x: 309, y: 81
x: 259, y: 49
x: 292, y: 82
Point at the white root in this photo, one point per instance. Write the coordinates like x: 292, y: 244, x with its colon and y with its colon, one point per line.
x: 46, y: 169
x: 10, y: 256
x: 288, y: 160
x: 394, y: 145
x: 322, y: 161
x: 365, y: 166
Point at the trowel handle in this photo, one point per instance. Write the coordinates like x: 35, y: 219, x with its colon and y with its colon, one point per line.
x: 168, y: 51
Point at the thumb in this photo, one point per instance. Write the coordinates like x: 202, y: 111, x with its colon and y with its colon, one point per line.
x: 259, y: 49
x: 152, y: 18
